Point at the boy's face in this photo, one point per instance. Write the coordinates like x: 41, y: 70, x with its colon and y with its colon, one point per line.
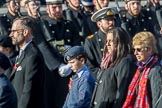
x: 75, y: 64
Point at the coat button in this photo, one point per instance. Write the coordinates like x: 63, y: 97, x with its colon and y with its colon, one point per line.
x: 100, y: 81
x: 99, y: 40
x: 95, y: 103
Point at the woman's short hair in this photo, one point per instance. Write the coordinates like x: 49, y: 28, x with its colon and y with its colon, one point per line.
x: 145, y: 39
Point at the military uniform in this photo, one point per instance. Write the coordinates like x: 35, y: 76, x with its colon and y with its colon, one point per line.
x: 94, y: 44
x: 79, y: 21
x: 137, y: 24
x: 63, y: 34
x: 92, y: 26
x: 94, y: 47
x: 88, y: 22
x: 151, y: 12
x: 6, y: 21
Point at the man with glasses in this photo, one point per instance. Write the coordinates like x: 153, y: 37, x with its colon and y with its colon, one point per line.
x: 28, y: 74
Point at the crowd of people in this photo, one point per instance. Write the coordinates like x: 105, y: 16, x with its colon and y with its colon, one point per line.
x: 88, y: 55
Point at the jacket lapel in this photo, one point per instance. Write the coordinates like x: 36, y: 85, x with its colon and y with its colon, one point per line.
x: 19, y: 61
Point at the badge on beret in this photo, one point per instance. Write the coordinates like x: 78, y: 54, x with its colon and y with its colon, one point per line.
x: 68, y: 58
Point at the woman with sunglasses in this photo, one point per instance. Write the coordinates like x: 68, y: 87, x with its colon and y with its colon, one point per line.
x: 116, y: 71
x: 146, y: 85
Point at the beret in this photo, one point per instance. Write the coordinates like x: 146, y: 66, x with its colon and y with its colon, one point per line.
x: 73, y: 52
x: 104, y: 13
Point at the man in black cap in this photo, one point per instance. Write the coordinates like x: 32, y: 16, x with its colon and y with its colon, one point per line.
x: 94, y: 44
x: 8, y: 48
x: 8, y: 97
x: 6, y: 20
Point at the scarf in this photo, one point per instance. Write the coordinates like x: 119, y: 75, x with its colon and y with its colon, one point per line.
x: 105, y: 62
x: 137, y: 96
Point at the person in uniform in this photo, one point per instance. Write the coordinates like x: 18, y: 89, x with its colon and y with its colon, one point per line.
x: 88, y: 9
x: 142, y: 20
x: 75, y: 14
x: 62, y: 31
x: 94, y: 44
x: 82, y: 82
x: 153, y: 10
x: 135, y: 20
x: 6, y: 20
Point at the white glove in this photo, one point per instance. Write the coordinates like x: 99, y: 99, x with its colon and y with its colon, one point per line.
x: 64, y: 70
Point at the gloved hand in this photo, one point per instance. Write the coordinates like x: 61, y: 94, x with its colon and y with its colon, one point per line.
x: 64, y: 70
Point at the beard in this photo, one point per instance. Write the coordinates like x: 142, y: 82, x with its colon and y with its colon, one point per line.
x: 19, y: 40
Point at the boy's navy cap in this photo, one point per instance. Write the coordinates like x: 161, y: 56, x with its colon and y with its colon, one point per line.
x: 104, y: 13
x: 73, y: 52
x: 5, y: 41
x: 4, y: 61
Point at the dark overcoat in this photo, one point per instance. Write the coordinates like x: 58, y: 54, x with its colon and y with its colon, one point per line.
x: 112, y: 85
x: 27, y: 78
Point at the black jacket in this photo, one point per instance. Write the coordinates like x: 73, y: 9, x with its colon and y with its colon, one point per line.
x: 112, y: 85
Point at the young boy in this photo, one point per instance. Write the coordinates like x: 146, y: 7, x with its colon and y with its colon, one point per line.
x: 82, y: 82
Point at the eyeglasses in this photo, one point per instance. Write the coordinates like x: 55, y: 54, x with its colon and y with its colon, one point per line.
x: 16, y: 30
x: 138, y: 49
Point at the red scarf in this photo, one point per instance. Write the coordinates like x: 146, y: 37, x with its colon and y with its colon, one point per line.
x: 105, y: 61
x: 137, y: 96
